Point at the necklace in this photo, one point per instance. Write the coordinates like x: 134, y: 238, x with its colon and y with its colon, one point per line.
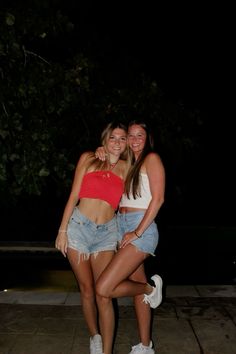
x: 113, y: 164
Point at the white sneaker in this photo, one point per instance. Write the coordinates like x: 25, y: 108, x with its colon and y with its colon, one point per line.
x: 154, y: 299
x: 142, y: 349
x: 96, y: 344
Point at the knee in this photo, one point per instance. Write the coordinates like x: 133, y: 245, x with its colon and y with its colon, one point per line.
x: 87, y: 291
x: 101, y: 290
x: 103, y: 301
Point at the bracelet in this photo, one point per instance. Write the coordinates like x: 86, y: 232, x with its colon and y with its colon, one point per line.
x: 60, y: 230
x: 136, y: 234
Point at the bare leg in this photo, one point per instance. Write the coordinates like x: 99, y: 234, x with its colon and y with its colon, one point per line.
x: 114, y: 281
x: 83, y: 273
x: 142, y: 310
x: 105, y: 306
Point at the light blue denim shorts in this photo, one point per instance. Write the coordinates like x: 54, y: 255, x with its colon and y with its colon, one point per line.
x: 87, y: 237
x: 128, y: 222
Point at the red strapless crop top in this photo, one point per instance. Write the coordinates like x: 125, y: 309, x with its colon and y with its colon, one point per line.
x: 104, y: 185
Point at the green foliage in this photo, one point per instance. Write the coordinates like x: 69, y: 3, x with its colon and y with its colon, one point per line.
x: 53, y: 103
x: 36, y: 97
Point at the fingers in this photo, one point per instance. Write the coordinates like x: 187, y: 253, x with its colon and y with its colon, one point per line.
x: 64, y: 251
x: 127, y: 238
x: 62, y: 248
x: 125, y: 242
x: 100, y: 154
x: 121, y: 244
x: 100, y: 157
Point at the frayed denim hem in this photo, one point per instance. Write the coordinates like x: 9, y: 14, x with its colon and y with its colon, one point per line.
x: 84, y: 256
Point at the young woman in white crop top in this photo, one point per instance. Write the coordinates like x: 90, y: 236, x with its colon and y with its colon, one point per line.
x: 139, y: 206
x: 145, y: 195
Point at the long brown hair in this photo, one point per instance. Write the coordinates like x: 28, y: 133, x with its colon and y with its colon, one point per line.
x: 132, y: 181
x: 106, y: 133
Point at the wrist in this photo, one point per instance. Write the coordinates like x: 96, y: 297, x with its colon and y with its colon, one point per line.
x: 62, y: 231
x: 137, y: 234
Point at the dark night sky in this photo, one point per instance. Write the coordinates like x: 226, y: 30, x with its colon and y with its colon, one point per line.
x: 177, y: 44
x: 185, y: 49
x: 182, y: 47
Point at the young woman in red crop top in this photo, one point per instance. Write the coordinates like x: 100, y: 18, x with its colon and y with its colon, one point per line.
x: 88, y: 232
x: 143, y: 197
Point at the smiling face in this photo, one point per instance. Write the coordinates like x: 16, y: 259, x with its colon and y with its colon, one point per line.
x: 116, y: 143
x: 137, y: 137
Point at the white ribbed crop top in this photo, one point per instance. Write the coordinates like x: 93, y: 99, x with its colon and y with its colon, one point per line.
x: 140, y: 202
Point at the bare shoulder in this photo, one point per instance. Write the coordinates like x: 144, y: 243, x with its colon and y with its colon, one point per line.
x: 85, y: 158
x: 87, y: 155
x: 153, y: 164
x: 151, y: 158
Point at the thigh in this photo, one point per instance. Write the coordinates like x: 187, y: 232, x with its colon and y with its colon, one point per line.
x: 123, y: 264
x: 139, y: 274
x: 81, y: 268
x: 99, y: 262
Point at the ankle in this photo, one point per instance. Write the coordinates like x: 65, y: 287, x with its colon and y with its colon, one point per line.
x: 149, y: 289
x: 145, y: 343
x: 94, y: 334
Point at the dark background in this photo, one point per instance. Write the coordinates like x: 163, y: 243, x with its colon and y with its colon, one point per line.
x: 186, y: 50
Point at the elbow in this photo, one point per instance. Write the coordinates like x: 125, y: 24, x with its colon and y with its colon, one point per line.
x: 160, y: 201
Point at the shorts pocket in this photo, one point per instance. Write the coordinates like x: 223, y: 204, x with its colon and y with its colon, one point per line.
x: 73, y: 226
x: 76, y: 221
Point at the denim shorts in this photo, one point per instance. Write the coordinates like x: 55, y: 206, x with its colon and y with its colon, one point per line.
x: 129, y: 222
x: 87, y: 237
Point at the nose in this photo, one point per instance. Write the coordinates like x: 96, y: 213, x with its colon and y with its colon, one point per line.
x: 117, y: 141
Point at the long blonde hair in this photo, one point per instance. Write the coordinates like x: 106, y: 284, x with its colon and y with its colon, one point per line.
x: 106, y: 133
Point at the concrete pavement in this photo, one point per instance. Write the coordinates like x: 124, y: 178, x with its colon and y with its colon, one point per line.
x: 191, y: 320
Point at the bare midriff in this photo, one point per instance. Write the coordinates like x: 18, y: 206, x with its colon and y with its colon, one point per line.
x: 96, y: 210
x: 124, y: 210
